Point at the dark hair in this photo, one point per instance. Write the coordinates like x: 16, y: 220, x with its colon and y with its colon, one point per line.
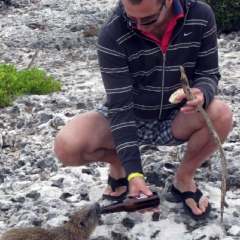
x: 139, y: 1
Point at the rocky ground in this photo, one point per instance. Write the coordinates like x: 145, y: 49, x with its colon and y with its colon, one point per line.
x: 36, y: 190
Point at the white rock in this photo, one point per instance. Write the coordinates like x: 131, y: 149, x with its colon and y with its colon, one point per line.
x: 234, y: 230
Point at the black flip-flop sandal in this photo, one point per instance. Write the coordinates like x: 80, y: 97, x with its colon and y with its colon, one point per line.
x: 181, y: 197
x: 115, y: 183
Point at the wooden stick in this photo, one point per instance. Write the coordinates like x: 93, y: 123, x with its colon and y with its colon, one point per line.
x: 190, y: 96
x: 34, y: 56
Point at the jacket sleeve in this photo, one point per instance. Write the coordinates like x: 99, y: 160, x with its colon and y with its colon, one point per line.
x: 118, y: 82
x: 206, y: 76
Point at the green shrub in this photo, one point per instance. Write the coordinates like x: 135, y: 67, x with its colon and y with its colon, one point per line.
x: 14, y: 83
x: 227, y: 14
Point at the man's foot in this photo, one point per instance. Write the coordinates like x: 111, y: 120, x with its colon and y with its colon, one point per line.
x: 195, y: 204
x: 117, y: 189
x: 117, y: 183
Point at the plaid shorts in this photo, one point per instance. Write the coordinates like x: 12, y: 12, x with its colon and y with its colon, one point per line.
x: 156, y: 132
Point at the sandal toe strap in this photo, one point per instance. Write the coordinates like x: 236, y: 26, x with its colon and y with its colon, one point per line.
x: 117, y: 183
x: 195, y: 195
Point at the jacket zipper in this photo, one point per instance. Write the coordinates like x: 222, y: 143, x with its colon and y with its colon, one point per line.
x: 164, y: 62
x: 163, y: 78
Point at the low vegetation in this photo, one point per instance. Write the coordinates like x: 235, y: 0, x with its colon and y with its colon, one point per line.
x: 14, y: 83
x: 226, y: 14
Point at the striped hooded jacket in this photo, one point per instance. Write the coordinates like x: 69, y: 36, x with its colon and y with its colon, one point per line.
x: 139, y: 78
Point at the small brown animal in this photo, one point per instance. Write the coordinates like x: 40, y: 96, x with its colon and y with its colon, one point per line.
x: 79, y: 227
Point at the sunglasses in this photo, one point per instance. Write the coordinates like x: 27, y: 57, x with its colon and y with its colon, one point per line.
x: 135, y: 24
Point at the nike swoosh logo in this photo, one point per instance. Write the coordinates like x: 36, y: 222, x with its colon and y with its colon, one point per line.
x: 186, y: 34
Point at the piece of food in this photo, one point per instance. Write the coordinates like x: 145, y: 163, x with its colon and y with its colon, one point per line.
x: 173, y: 97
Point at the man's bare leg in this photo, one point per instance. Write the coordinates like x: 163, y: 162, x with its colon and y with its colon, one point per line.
x: 200, y: 145
x: 86, y: 139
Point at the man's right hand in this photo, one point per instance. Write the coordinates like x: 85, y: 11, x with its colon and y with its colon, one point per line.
x: 138, y: 186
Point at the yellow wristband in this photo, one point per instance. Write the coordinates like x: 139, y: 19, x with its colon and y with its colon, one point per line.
x: 132, y: 175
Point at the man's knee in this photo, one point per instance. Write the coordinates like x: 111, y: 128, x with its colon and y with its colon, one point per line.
x: 60, y: 149
x: 224, y: 113
x: 222, y: 118
x: 227, y: 115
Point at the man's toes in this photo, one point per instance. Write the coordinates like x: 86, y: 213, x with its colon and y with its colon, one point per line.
x: 202, y: 206
x: 196, y: 210
x: 118, y: 191
x: 193, y: 205
x: 203, y: 203
x: 108, y: 190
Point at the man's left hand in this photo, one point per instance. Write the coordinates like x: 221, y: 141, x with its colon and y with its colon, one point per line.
x: 190, y: 106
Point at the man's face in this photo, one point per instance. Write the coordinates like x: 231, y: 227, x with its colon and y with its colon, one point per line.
x: 145, y: 16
